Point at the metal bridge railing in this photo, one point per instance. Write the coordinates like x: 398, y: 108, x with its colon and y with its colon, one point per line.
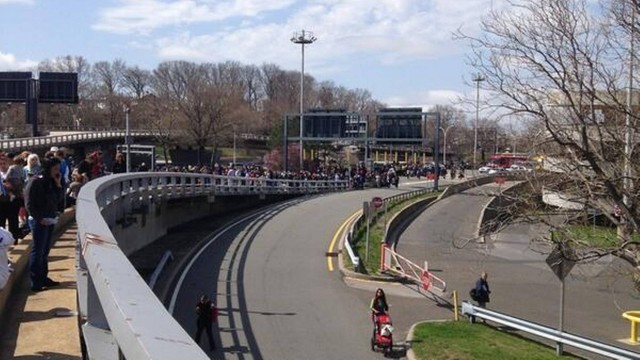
x: 549, y: 333
x: 360, y: 221
x: 121, y: 316
x: 66, y: 139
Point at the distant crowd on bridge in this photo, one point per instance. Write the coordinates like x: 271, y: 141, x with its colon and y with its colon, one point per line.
x: 19, y: 170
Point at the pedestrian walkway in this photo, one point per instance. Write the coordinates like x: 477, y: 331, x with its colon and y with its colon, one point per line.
x: 44, y: 325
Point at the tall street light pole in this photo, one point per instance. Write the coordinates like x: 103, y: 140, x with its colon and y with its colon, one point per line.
x: 127, y: 138
x: 303, y: 38
x: 234, y: 147
x: 478, y: 79
x: 444, y: 152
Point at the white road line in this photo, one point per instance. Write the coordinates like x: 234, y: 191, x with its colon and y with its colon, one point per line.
x: 176, y: 290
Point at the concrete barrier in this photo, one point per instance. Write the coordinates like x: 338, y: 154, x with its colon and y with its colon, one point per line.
x: 119, y: 214
x: 19, y: 256
x: 494, y: 214
x: 402, y: 219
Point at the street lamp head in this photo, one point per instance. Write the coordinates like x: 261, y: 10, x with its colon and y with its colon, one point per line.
x: 303, y: 37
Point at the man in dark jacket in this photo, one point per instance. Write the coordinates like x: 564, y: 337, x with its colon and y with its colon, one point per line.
x: 44, y: 200
x: 482, y: 290
x: 207, y: 313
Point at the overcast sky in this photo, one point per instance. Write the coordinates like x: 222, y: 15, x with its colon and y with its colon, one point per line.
x: 400, y: 50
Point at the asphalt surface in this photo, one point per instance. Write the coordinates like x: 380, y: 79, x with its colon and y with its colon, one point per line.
x: 278, y: 299
x: 276, y: 295
x: 522, y: 285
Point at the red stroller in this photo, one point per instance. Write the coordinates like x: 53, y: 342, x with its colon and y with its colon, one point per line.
x: 382, y: 338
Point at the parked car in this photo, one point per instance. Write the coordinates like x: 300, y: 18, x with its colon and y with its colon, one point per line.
x: 496, y: 170
x: 515, y: 167
x: 484, y: 170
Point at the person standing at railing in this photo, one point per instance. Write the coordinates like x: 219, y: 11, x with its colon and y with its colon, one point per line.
x: 65, y: 171
x: 482, y: 290
x: 10, y: 194
x: 86, y: 165
x: 33, y: 166
x: 44, y: 199
x: 119, y: 165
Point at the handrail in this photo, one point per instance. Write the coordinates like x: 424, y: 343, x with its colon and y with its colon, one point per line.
x: 359, y: 220
x: 58, y: 140
x: 50, y: 129
x: 120, y: 312
x: 355, y: 260
x: 546, y: 332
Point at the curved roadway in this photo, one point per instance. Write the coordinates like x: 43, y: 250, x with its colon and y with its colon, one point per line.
x: 521, y: 282
x: 277, y: 297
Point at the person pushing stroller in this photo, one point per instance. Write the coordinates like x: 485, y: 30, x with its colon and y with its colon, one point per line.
x: 382, y: 338
x: 378, y: 307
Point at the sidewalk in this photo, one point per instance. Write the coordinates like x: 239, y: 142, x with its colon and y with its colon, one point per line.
x: 44, y: 325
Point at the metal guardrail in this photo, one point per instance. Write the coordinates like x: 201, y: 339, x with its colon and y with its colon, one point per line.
x: 359, y: 222
x: 121, y: 316
x: 548, y: 333
x: 243, y: 136
x: 67, y: 139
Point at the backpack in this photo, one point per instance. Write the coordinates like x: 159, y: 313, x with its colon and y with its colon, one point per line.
x: 473, y: 294
x: 214, y: 313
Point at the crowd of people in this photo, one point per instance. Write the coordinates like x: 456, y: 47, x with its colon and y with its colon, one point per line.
x: 34, y: 191
x: 381, y: 175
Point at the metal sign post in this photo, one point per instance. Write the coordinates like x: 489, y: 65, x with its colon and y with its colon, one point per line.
x: 561, y: 260
x: 129, y: 149
x: 385, y: 211
x: 367, y: 210
x: 436, y: 153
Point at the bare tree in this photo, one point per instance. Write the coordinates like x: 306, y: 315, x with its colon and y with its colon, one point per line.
x: 566, y: 69
x: 108, y: 78
x: 136, y: 81
x: 453, y: 121
x: 252, y: 79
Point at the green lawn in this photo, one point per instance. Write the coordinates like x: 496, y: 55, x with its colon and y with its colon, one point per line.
x: 462, y: 340
x: 588, y: 235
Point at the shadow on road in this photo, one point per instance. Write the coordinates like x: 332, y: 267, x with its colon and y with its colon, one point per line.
x: 397, y: 352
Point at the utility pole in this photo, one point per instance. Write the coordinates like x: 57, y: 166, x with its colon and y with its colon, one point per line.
x: 234, y: 146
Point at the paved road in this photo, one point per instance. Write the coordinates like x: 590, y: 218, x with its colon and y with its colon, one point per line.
x: 277, y: 298
x: 522, y: 285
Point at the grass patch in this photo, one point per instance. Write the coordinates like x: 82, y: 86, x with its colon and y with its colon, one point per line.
x: 462, y: 340
x: 377, y: 228
x: 589, y: 235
